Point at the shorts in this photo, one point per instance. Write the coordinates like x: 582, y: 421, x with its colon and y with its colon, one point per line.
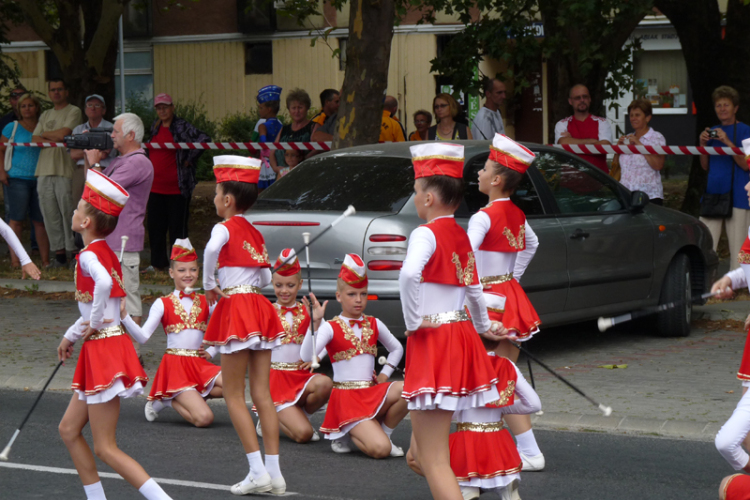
x: 22, y: 199
x: 131, y: 279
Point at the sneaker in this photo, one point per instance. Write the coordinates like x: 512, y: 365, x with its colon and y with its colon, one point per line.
x: 396, y: 451
x: 151, y: 414
x: 532, y: 464
x: 258, y: 429
x: 469, y: 492
x: 278, y: 486
x: 149, y: 269
x: 341, y: 445
x: 250, y: 485
x: 315, y: 437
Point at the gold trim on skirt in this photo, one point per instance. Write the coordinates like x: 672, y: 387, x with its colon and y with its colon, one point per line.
x: 110, y: 331
x: 354, y: 384
x: 495, y: 280
x: 193, y: 353
x: 287, y: 367
x: 242, y: 289
x: 447, y: 317
x: 479, y: 426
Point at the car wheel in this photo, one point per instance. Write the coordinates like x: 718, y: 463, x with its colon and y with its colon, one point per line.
x: 677, y: 287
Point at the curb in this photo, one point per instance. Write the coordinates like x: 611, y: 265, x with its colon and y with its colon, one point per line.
x: 69, y: 286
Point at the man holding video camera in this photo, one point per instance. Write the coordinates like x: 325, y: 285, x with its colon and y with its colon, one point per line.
x: 134, y: 172
x: 95, y: 108
x: 725, y: 202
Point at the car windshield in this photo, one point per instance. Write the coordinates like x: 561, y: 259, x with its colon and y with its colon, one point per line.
x: 371, y: 184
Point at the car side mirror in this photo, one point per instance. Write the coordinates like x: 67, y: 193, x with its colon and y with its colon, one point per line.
x: 638, y: 201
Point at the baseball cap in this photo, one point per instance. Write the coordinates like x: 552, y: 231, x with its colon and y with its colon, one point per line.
x: 162, y: 99
x: 94, y: 96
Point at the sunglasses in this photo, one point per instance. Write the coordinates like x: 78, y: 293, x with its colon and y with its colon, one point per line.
x: 440, y: 106
x: 16, y: 95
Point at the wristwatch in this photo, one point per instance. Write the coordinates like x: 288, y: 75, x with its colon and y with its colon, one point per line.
x: 96, y: 165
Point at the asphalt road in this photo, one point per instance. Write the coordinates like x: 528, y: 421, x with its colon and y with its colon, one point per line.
x: 581, y: 465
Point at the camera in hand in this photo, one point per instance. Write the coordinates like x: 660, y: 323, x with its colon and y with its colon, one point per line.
x: 95, y: 138
x: 713, y: 134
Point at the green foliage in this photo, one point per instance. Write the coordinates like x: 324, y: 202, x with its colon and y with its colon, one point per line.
x: 5, y: 99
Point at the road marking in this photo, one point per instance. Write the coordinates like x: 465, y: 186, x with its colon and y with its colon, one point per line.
x: 110, y: 475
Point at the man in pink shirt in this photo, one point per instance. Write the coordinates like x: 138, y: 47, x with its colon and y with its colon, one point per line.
x: 583, y: 127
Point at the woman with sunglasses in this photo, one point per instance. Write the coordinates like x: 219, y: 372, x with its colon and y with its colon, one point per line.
x: 447, y: 129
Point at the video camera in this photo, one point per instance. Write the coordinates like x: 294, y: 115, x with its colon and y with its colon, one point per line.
x: 95, y: 138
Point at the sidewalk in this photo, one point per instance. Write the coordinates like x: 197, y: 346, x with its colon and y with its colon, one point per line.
x: 672, y: 387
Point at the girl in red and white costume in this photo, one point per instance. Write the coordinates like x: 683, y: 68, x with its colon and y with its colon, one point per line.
x: 360, y: 409
x: 244, y: 326
x: 483, y: 455
x: 297, y: 393
x: 447, y: 368
x: 108, y: 367
x: 185, y: 377
x: 504, y: 244
x: 27, y: 267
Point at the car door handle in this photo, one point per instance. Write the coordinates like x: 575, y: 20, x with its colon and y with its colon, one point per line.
x: 338, y: 261
x: 579, y: 234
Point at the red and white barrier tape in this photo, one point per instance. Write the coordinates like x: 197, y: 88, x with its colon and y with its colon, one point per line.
x: 326, y: 146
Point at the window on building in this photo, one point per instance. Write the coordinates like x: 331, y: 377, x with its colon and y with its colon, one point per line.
x: 442, y: 43
x: 342, y: 53
x: 259, y: 58
x: 136, y: 20
x: 661, y: 77
x: 52, y: 66
x: 255, y: 16
x: 139, y: 78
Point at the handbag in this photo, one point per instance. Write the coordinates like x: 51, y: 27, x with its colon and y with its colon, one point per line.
x: 9, y: 149
x: 719, y: 206
x: 615, y: 170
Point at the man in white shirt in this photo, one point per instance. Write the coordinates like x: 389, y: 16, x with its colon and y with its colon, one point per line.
x: 489, y: 120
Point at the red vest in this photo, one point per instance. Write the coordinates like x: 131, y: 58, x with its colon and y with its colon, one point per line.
x: 108, y: 259
x: 588, y: 129
x: 346, y: 345
x: 507, y: 228
x: 176, y: 318
x: 744, y: 256
x: 453, y: 261
x: 295, y: 333
x: 506, y: 385
x: 245, y: 248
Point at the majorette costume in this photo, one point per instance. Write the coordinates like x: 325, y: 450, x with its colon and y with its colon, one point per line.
x: 352, y: 344
x: 287, y: 381
x: 184, y: 317
x: 483, y: 454
x: 108, y: 366
x: 504, y: 244
x: 737, y: 488
x: 732, y: 434
x: 245, y: 319
x: 446, y: 367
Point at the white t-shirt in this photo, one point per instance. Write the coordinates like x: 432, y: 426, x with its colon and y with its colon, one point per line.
x: 486, y: 124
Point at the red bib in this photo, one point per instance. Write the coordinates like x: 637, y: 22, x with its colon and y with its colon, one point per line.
x: 176, y: 319
x: 245, y: 248
x: 453, y: 261
x: 295, y: 333
x: 508, y: 228
x: 346, y: 345
x: 588, y: 129
x: 744, y: 256
x: 85, y: 284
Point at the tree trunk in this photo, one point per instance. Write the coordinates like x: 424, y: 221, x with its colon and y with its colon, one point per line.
x: 85, y: 44
x: 368, y: 54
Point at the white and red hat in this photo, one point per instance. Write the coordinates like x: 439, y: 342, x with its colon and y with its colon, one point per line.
x: 509, y: 153
x: 495, y: 303
x: 436, y: 158
x: 162, y: 99
x: 183, y: 251
x: 104, y: 194
x: 287, y: 264
x: 236, y: 168
x: 746, y: 149
x: 353, y: 271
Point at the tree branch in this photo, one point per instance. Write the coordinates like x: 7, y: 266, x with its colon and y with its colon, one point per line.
x: 34, y: 16
x: 104, y: 34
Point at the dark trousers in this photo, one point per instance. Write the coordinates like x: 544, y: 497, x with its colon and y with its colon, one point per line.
x: 165, y: 212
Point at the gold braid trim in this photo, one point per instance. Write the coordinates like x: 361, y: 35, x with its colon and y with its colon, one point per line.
x: 360, y: 346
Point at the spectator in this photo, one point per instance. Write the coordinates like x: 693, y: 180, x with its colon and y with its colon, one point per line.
x: 329, y: 105
x: 489, y: 120
x: 292, y: 157
x: 447, y: 129
x: 390, y: 104
x: 642, y: 172
x: 55, y: 172
x: 94, y: 108
x: 174, y: 181
x: 266, y: 129
x: 133, y: 171
x: 13, y: 102
x: 300, y: 130
x: 19, y: 183
x: 390, y: 129
x: 422, y: 120
x: 727, y: 173
x: 324, y: 133
x: 583, y: 127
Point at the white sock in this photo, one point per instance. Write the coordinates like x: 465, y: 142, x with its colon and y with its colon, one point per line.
x: 526, y: 444
x: 153, y: 491
x: 272, y: 466
x: 388, y: 431
x: 308, y: 415
x: 94, y: 491
x: 157, y: 406
x: 257, y: 469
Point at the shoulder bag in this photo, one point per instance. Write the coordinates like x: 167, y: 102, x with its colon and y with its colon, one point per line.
x: 719, y: 206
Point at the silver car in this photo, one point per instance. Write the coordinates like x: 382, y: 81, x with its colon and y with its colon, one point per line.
x: 602, y: 249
